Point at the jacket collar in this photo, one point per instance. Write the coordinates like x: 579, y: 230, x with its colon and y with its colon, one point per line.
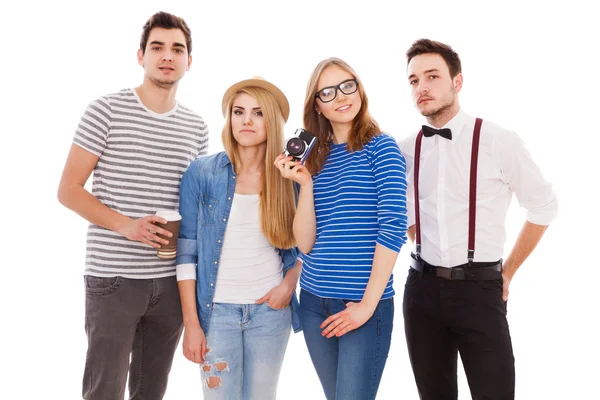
x: 224, y: 160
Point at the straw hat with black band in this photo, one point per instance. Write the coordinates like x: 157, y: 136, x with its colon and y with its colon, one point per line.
x: 259, y: 82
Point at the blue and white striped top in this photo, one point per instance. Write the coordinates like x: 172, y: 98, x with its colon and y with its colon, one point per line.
x: 360, y: 201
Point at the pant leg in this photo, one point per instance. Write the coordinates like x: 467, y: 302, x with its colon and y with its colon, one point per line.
x: 484, y: 339
x: 113, y: 308
x: 265, y: 336
x: 363, y: 353
x: 323, y: 352
x: 431, y: 345
x: 222, y: 371
x: 155, y: 342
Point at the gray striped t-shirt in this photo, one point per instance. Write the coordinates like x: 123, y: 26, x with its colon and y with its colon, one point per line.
x: 143, y: 156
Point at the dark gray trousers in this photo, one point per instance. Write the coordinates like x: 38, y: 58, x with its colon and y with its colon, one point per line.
x: 140, y: 318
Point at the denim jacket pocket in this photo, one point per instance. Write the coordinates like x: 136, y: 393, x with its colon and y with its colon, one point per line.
x: 207, y: 211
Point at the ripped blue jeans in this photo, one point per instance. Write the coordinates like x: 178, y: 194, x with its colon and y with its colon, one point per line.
x: 247, y: 343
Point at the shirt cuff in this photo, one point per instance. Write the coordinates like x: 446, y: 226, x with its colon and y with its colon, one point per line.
x: 186, y: 271
x: 544, y: 218
x: 544, y: 215
x: 187, y: 251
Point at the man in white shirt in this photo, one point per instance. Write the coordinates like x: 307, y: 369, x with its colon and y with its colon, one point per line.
x: 456, y: 291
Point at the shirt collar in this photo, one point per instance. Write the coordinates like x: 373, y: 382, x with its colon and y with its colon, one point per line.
x: 456, y: 124
x: 224, y: 160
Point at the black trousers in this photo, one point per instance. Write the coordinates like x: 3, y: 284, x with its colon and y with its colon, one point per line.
x: 443, y: 318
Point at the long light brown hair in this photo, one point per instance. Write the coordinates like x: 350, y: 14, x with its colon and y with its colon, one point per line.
x: 277, y: 202
x: 364, y: 127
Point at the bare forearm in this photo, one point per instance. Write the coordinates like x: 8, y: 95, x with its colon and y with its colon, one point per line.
x: 81, y: 201
x: 527, y: 240
x: 383, y: 265
x: 411, y: 233
x: 187, y: 294
x: 305, y: 221
x: 293, y: 274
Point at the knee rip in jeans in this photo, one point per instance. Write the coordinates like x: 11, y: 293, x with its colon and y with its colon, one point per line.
x: 214, y: 381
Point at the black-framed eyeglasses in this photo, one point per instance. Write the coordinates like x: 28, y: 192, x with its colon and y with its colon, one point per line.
x: 329, y: 93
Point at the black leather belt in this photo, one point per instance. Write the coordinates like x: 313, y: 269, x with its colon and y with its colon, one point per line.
x: 477, y: 271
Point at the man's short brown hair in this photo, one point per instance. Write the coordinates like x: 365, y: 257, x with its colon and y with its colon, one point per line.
x: 427, y: 46
x: 166, y: 21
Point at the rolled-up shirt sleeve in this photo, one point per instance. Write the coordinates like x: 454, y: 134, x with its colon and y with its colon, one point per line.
x: 525, y: 179
x: 407, y: 148
x: 189, y: 200
x: 186, y: 271
x: 389, y: 169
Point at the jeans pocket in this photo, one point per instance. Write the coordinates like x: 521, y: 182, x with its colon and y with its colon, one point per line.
x: 276, y: 309
x: 101, y: 286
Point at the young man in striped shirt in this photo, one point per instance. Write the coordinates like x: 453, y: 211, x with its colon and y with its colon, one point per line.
x: 138, y: 142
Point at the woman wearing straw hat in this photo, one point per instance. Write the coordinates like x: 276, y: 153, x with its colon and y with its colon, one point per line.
x: 236, y: 261
x: 350, y: 225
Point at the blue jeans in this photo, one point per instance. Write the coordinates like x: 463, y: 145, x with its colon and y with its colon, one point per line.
x: 247, y: 343
x: 349, y: 367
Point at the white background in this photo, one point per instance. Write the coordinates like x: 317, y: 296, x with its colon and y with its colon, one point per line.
x: 527, y: 66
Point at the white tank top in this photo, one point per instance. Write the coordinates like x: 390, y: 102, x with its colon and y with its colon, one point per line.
x: 250, y: 266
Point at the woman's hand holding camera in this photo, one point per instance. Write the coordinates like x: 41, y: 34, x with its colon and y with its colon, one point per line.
x: 293, y: 170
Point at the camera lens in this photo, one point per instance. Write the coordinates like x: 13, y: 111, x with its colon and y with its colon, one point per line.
x: 295, y: 146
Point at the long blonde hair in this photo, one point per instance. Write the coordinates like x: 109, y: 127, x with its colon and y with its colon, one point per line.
x: 364, y: 127
x: 277, y: 201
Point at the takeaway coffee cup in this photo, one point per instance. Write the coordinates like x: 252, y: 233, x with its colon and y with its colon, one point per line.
x: 169, y: 251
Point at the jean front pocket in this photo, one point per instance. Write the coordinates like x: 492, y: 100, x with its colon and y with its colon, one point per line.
x: 207, y: 211
x: 101, y: 286
x: 276, y: 309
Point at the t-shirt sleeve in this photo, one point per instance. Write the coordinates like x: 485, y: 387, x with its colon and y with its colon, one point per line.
x: 94, y: 126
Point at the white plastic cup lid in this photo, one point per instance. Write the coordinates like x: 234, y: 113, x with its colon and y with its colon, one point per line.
x: 169, y: 215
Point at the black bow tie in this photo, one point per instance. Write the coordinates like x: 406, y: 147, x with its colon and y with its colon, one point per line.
x: 429, y: 131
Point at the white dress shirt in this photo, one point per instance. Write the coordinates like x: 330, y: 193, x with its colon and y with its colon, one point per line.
x: 504, y: 167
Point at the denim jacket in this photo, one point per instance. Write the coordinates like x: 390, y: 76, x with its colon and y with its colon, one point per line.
x: 206, y: 194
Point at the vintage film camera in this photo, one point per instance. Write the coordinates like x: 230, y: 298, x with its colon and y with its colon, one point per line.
x: 300, y: 145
